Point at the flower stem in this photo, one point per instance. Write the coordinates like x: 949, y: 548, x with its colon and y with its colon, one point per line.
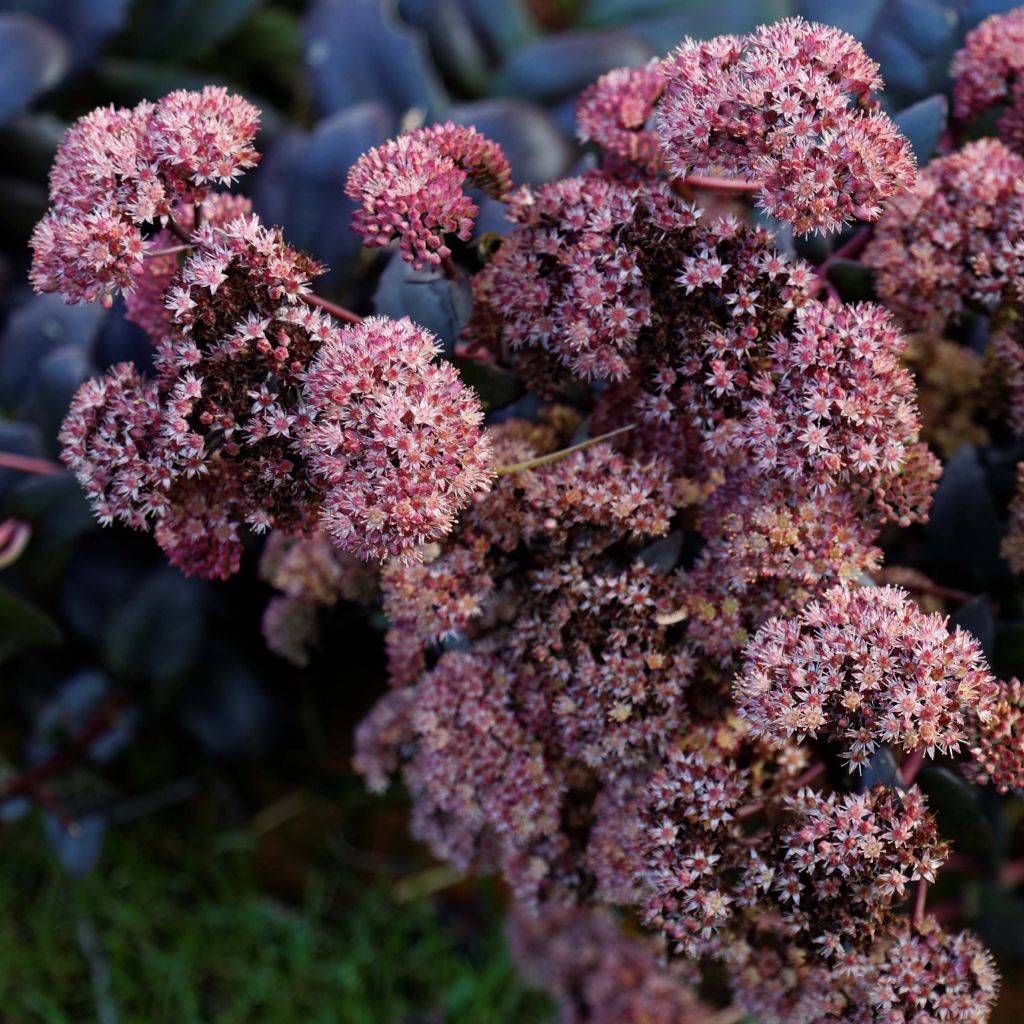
x: 543, y: 460
x: 338, y: 312
x: 715, y: 184
x: 176, y: 229
x: 27, y: 464
x: 922, y: 892
x: 911, y: 766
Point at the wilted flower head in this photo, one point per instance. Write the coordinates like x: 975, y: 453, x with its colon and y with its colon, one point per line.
x: 615, y: 112
x: 864, y: 667
x: 788, y: 106
x: 118, y: 172
x: 396, y: 440
x: 954, y: 239
x: 987, y: 71
x: 413, y: 188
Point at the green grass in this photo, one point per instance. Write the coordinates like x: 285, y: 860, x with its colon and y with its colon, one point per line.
x: 196, y: 940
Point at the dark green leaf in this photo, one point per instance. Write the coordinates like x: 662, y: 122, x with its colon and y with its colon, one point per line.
x: 426, y: 296
x: 23, y: 626
x: 852, y: 280
x: 956, y: 810
x: 496, y: 386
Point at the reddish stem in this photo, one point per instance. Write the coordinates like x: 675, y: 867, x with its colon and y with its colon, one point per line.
x: 49, y: 802
x: 450, y: 270
x: 715, y: 184
x: 922, y: 893
x: 816, y: 769
x: 27, y: 464
x: 338, y: 312
x: 911, y: 766
x: 849, y: 250
x: 28, y: 782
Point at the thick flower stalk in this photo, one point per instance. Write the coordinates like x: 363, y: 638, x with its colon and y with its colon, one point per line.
x: 413, y: 189
x: 790, y: 107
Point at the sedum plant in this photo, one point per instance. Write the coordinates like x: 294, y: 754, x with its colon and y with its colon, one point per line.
x: 639, y: 661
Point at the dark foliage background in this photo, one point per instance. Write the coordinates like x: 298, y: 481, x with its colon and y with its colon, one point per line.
x: 224, y: 864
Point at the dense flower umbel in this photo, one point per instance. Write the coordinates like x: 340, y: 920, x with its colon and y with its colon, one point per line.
x: 615, y: 112
x: 119, y: 173
x: 396, y: 438
x: 767, y: 555
x: 413, y: 189
x: 987, y: 72
x: 914, y: 975
x: 955, y: 239
x: 864, y: 667
x: 599, y: 975
x: 146, y: 302
x: 998, y: 752
x: 788, y: 106
x: 600, y: 278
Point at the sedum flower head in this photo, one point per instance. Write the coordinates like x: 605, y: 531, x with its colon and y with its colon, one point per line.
x: 396, y: 439
x: 955, y: 239
x: 789, y: 106
x: 864, y: 668
x: 118, y: 175
x: 413, y: 189
x: 987, y: 72
x: 616, y: 113
x: 998, y: 752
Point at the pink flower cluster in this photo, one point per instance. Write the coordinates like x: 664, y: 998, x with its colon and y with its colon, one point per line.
x: 600, y: 278
x: 788, y: 106
x: 864, y: 668
x: 616, y: 113
x: 311, y: 574
x: 599, y: 975
x: 413, y: 189
x: 119, y: 173
x: 987, y: 73
x: 998, y: 752
x: 954, y: 240
x: 396, y: 438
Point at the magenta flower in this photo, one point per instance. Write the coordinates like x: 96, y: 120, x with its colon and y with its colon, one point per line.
x: 864, y: 667
x: 118, y: 175
x: 413, y: 189
x: 788, y: 106
x: 616, y: 113
x: 955, y: 240
x: 396, y: 438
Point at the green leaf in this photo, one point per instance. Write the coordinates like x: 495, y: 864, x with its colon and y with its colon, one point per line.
x: 23, y: 626
x: 496, y: 386
x: 956, y: 810
x: 852, y: 280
